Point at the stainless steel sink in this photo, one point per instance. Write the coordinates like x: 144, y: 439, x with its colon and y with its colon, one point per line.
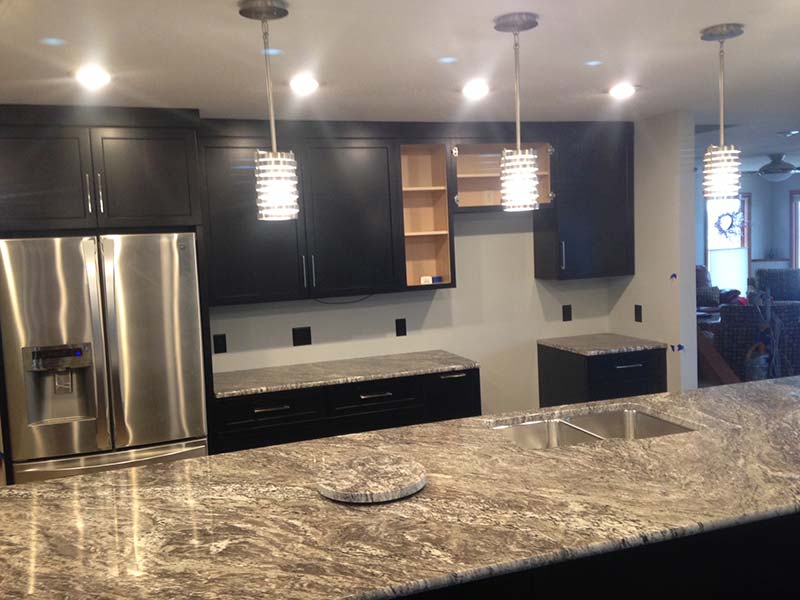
x: 629, y: 424
x: 540, y: 435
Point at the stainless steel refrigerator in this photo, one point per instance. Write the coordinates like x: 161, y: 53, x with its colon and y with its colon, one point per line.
x: 102, y: 352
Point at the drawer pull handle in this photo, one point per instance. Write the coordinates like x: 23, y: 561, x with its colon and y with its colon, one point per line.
x: 271, y: 409
x: 631, y: 366
x: 379, y: 395
x: 454, y: 376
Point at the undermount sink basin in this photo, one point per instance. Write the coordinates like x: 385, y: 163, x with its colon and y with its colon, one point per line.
x: 629, y: 424
x: 540, y: 435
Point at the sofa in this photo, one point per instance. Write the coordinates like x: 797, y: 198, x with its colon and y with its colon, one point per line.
x: 782, y: 284
x: 739, y: 328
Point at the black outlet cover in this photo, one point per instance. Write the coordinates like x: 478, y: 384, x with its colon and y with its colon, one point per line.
x: 301, y: 336
x: 220, y: 343
x: 400, y: 327
x: 637, y: 313
x: 566, y: 312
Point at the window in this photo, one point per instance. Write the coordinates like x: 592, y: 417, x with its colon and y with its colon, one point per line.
x: 794, y: 203
x: 728, y: 241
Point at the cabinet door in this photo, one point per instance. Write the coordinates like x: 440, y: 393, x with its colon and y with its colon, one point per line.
x: 354, y: 218
x: 146, y: 177
x: 249, y: 260
x: 45, y: 179
x: 453, y: 395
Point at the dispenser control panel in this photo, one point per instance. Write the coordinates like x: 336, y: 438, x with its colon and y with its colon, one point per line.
x: 57, y: 358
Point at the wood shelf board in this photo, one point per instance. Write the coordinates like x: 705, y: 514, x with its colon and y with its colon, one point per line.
x: 426, y: 188
x: 425, y: 233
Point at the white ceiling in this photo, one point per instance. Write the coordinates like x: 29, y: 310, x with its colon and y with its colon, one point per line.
x: 376, y: 59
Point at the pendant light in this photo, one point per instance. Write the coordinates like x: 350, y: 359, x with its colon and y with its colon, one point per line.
x: 276, y: 172
x: 722, y: 165
x: 519, y: 183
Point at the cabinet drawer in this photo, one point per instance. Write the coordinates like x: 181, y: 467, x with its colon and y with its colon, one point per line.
x: 261, y: 411
x: 453, y: 395
x: 372, y: 396
x: 627, y: 366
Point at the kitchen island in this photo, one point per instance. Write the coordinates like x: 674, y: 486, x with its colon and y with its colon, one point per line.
x: 252, y: 525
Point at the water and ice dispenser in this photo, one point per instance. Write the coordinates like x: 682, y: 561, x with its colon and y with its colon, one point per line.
x: 58, y: 383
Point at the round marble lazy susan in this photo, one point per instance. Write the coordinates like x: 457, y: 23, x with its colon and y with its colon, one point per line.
x: 371, y: 479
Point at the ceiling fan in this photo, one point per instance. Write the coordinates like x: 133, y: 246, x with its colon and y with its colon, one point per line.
x: 776, y: 169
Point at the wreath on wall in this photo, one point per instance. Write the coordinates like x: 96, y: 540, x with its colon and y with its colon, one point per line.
x: 730, y: 224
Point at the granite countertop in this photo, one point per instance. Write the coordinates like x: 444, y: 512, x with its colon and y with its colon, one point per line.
x: 351, y: 370
x: 251, y: 525
x: 597, y: 344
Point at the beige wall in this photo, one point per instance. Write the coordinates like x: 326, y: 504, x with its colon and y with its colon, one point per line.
x: 495, y: 316
x: 665, y: 244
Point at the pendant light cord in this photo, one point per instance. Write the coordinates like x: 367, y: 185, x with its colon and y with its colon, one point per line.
x: 516, y: 87
x: 265, y: 34
x: 722, y: 93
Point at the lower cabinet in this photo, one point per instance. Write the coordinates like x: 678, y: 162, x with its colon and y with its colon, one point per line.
x: 569, y: 378
x: 290, y: 416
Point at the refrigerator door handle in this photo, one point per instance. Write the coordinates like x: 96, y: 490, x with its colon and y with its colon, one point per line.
x: 108, y: 248
x: 91, y: 269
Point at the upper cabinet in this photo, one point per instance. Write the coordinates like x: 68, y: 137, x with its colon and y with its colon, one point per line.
x: 45, y: 178
x: 478, y: 174
x: 55, y: 178
x: 427, y: 223
x: 588, y: 230
x: 248, y: 260
x: 353, y: 217
x: 146, y: 176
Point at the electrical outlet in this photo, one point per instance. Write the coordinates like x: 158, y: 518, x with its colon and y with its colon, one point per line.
x: 220, y: 343
x: 637, y: 313
x: 400, y: 327
x: 301, y: 336
x: 566, y: 312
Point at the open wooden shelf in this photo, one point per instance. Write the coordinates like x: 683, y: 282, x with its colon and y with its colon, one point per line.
x: 426, y: 213
x: 478, y: 174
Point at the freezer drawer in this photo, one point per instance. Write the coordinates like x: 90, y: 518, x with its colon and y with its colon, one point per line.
x: 92, y: 463
x: 154, y: 338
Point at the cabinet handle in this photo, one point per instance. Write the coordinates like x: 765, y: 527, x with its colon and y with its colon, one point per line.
x: 313, y: 271
x: 379, y: 395
x: 305, y: 275
x: 88, y: 192
x: 271, y: 409
x: 453, y: 376
x: 563, y: 256
x: 631, y: 366
x: 100, y: 191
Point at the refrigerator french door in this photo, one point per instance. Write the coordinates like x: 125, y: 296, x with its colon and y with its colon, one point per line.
x: 102, y: 352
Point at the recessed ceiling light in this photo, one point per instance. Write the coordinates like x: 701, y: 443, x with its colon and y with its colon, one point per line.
x: 622, y: 90
x: 593, y: 63
x: 790, y: 133
x: 52, y: 41
x: 475, y: 89
x: 92, y: 77
x: 447, y: 60
x: 272, y: 51
x: 304, y: 84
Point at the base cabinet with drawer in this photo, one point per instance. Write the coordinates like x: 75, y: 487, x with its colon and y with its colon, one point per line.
x: 245, y: 422
x: 569, y: 378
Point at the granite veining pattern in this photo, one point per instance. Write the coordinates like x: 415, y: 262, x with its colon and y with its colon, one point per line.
x: 251, y: 525
x: 597, y: 344
x: 351, y: 370
x: 371, y: 479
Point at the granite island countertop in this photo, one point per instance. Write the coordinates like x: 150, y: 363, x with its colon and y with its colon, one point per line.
x: 292, y: 377
x: 251, y: 524
x: 597, y: 344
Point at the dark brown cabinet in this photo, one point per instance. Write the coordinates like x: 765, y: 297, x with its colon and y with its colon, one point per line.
x: 353, y: 217
x: 249, y: 260
x: 280, y: 417
x: 569, y: 378
x: 45, y: 178
x: 146, y: 177
x: 79, y: 178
